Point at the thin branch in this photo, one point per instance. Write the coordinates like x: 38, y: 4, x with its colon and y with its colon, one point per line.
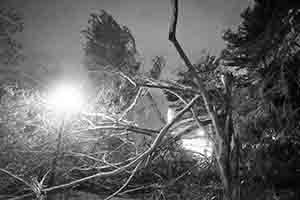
x: 155, y: 107
x: 105, y: 167
x: 147, y: 82
x: 106, y: 116
x: 173, y: 181
x: 138, y: 95
x: 126, y: 183
x: 120, y: 127
x: 147, y: 85
x: 44, y: 177
x: 156, y: 142
x: 85, y: 155
x: 138, y: 159
x: 138, y: 188
x: 204, y: 94
x: 88, y: 121
x: 22, y: 196
x: 200, y: 123
x: 16, y: 177
x: 173, y: 40
x: 128, y: 78
x: 158, y: 186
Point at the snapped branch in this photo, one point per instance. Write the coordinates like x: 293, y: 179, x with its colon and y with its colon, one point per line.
x: 191, y: 67
x: 137, y: 160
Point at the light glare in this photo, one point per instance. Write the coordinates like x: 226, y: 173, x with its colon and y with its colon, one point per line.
x: 198, y: 145
x: 65, y: 99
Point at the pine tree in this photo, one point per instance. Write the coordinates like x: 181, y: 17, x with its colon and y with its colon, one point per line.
x: 109, y: 49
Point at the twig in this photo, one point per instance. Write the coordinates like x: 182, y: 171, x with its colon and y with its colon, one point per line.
x: 128, y: 78
x: 138, y: 95
x: 44, y: 177
x: 155, y: 107
x: 144, y: 131
x: 99, y: 115
x: 126, y: 183
x: 138, y: 188
x: 200, y: 124
x: 23, y: 181
x: 169, y: 87
x: 16, y: 177
x: 22, y: 196
x: 173, y: 181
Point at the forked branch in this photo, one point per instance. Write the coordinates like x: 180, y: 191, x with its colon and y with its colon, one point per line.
x: 182, y: 54
x: 134, y: 162
x: 209, y: 107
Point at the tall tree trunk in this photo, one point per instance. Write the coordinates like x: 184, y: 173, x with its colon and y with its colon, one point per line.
x: 223, y: 128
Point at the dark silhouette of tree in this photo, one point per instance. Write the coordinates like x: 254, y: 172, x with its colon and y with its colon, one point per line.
x: 110, y: 49
x: 109, y: 46
x: 266, y: 47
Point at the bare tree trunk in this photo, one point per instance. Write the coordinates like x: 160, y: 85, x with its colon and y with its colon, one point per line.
x: 223, y: 131
x: 229, y: 133
x: 57, y: 156
x: 237, y: 188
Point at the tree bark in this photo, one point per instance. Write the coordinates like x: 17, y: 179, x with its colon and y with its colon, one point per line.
x: 223, y: 131
x: 53, y: 173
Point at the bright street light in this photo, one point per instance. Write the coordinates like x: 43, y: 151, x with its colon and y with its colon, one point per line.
x: 65, y: 99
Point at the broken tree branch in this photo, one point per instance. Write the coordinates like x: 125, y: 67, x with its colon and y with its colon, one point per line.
x: 182, y: 54
x: 138, y: 159
x: 120, y: 127
x: 126, y: 183
x: 203, y: 91
x: 16, y: 177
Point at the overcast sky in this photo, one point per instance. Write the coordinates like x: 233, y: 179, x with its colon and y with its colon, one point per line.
x: 52, y: 27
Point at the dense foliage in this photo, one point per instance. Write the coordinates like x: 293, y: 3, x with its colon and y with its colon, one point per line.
x: 110, y: 48
x: 266, y: 45
x: 262, y: 55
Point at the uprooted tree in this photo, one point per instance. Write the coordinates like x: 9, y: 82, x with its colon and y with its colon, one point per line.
x: 222, y: 126
x: 240, y: 109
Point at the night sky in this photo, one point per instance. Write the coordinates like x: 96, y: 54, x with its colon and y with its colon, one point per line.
x: 52, y: 27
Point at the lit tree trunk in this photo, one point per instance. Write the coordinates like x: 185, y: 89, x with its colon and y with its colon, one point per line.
x: 57, y: 155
